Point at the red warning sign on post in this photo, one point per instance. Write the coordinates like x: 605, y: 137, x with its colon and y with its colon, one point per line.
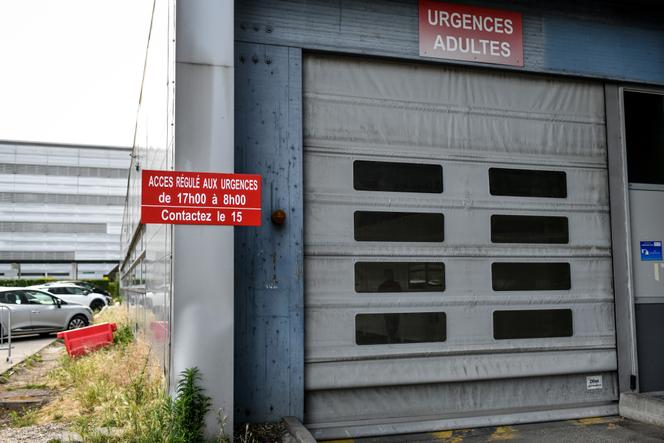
x: 469, y: 33
x: 200, y: 198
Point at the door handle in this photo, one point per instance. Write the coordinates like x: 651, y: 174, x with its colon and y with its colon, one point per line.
x: 35, y: 312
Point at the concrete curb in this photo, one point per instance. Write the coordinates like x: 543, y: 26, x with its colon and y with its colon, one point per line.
x: 298, y: 431
x: 17, y: 361
x: 643, y: 408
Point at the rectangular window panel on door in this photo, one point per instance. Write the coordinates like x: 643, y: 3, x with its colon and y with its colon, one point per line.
x: 536, y: 323
x: 527, y: 183
x: 392, y: 328
x: 397, y: 177
x: 399, y: 277
x: 398, y: 226
x: 530, y: 276
x: 529, y: 229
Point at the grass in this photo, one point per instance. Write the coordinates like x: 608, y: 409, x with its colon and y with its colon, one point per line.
x: 118, y: 387
x: 27, y: 386
x: 21, y: 419
x: 31, y: 361
x: 117, y: 394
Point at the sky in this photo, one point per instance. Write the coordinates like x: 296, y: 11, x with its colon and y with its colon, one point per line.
x: 70, y: 70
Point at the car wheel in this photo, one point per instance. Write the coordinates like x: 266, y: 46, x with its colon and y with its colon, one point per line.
x: 77, y: 321
x: 97, y: 305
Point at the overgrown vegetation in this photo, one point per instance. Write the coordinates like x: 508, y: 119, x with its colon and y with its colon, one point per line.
x: 21, y: 419
x: 117, y: 394
x: 124, y: 335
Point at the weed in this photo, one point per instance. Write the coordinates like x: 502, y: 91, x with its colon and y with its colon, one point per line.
x: 189, y: 408
x: 32, y: 360
x: 35, y: 386
x: 123, y: 336
x: 27, y: 386
x: 26, y: 417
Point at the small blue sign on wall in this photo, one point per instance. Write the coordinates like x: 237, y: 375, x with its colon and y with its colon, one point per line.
x: 651, y: 251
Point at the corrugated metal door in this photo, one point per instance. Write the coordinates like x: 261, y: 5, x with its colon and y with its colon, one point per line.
x: 457, y: 249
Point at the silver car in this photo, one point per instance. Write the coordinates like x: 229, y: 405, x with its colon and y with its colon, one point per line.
x: 38, y: 312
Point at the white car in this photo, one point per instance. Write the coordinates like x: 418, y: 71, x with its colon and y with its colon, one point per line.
x: 37, y: 312
x: 72, y: 293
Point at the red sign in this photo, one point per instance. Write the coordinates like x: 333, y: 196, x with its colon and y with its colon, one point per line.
x: 200, y: 198
x: 460, y: 32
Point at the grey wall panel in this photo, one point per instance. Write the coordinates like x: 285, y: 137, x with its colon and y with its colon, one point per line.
x: 470, y: 121
x: 647, y: 209
x: 36, y: 255
x: 372, y: 406
x: 650, y: 330
x: 384, y: 108
x: 332, y: 174
x: 72, y: 171
x: 63, y: 155
x: 71, y: 228
x: 65, y: 199
x: 268, y: 260
x: 444, y: 369
x: 204, y: 141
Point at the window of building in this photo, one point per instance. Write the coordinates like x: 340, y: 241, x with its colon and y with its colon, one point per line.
x: 644, y: 135
x: 527, y: 183
x: 530, y: 276
x: 529, y: 229
x: 399, y: 226
x: 397, y: 177
x: 383, y: 329
x: 541, y: 323
x: 399, y: 277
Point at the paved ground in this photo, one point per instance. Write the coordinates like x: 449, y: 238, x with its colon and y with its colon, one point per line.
x: 588, y: 430
x: 22, y: 347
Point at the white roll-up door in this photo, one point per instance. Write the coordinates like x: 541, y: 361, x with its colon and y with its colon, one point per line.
x: 457, y: 248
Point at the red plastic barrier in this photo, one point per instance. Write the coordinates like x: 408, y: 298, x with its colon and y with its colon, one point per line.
x: 159, y: 330
x: 83, y: 340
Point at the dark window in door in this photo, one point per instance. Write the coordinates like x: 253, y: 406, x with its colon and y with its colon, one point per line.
x: 644, y: 128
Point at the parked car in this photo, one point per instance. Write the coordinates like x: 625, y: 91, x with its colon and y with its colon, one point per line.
x: 83, y: 284
x: 72, y: 293
x: 37, y: 312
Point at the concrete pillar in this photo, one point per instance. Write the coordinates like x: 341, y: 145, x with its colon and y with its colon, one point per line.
x: 202, y: 307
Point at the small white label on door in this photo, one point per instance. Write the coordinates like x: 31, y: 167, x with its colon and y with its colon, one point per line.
x: 594, y: 382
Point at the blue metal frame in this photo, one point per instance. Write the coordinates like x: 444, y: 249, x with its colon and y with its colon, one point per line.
x: 269, y: 306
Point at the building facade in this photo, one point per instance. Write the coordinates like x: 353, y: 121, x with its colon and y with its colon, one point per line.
x: 465, y: 243
x: 60, y: 209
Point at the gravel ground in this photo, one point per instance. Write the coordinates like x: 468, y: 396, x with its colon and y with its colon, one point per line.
x: 34, y: 434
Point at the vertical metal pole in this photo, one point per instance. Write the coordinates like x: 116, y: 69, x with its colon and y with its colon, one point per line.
x: 8, y: 333
x: 9, y: 336
x: 203, y: 316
